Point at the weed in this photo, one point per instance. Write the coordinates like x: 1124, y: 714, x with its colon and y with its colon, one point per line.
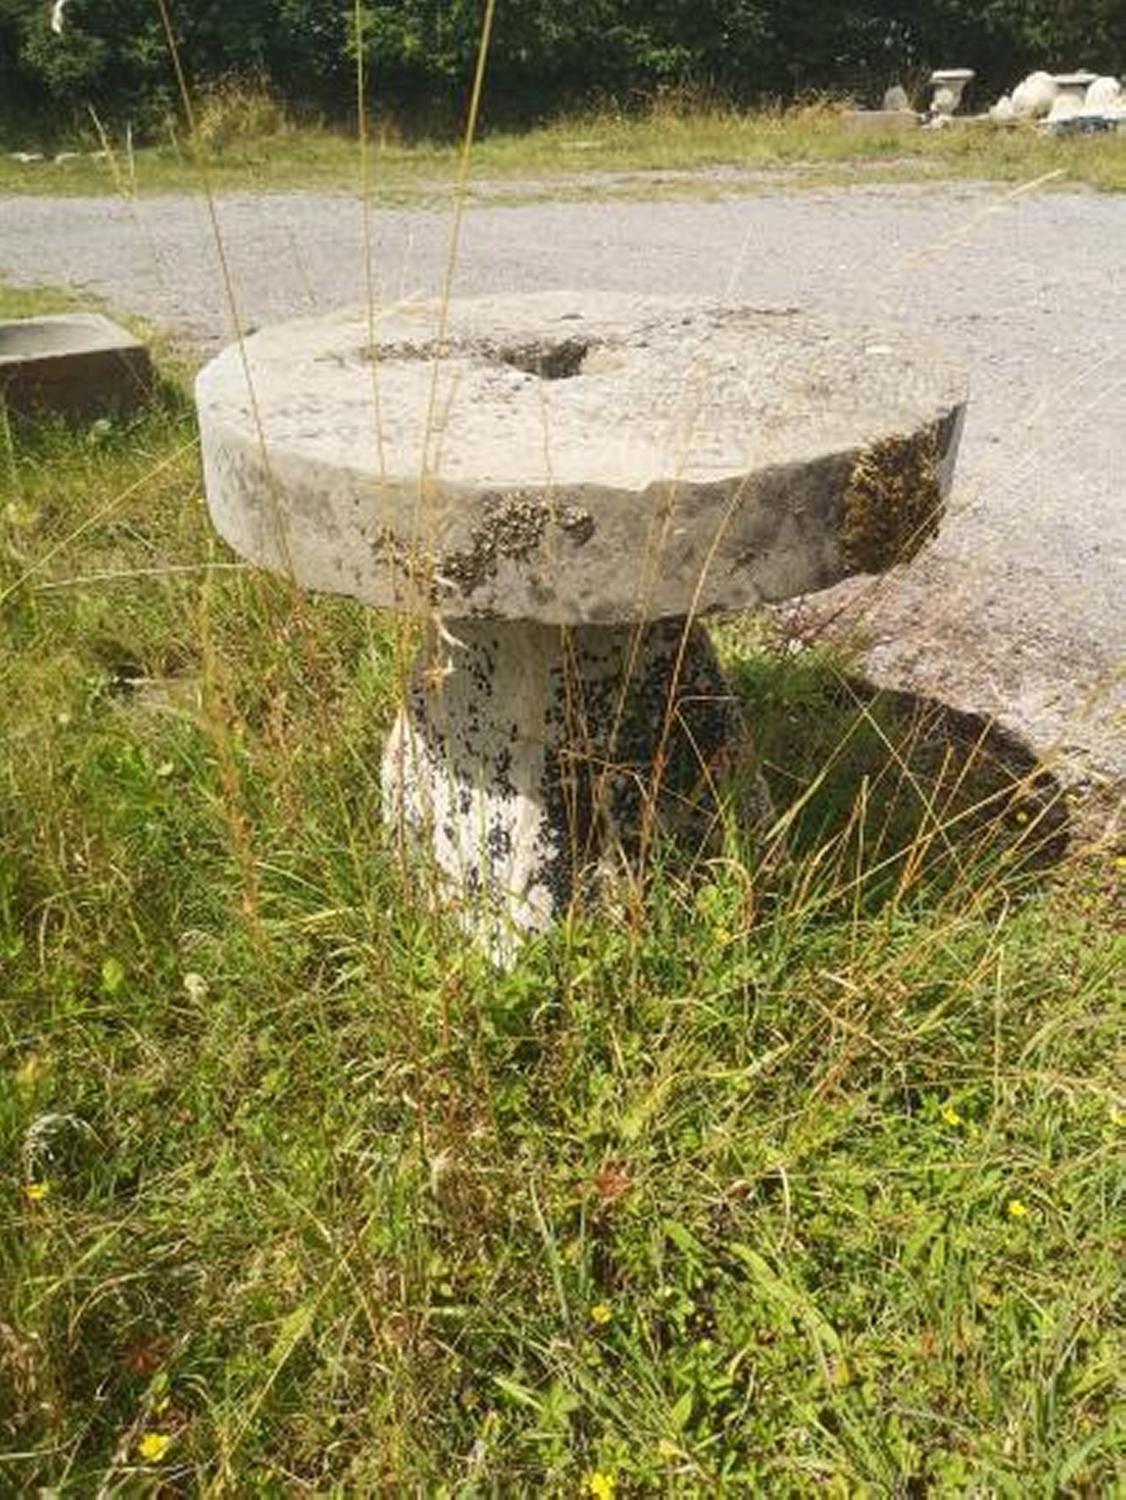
x: 234, y: 111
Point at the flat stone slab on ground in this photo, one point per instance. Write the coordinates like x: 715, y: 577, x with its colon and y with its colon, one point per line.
x: 76, y: 364
x: 879, y: 121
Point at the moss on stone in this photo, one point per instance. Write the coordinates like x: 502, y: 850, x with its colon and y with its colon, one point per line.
x: 893, y: 502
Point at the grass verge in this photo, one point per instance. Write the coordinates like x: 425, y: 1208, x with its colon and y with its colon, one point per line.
x: 807, y: 145
x: 808, y: 1177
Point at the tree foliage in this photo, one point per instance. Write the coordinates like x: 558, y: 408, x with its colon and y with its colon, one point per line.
x: 546, y: 55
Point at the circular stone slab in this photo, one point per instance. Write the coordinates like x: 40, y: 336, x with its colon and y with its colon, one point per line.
x: 575, y: 457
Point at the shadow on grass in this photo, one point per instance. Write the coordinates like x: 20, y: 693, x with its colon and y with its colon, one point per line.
x: 895, y: 776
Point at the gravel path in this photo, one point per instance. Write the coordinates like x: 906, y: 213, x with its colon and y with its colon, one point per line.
x: 1018, y: 610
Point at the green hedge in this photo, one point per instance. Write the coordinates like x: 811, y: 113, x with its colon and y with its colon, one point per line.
x: 547, y: 54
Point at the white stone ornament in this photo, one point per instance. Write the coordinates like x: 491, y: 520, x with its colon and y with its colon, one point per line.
x: 1103, y: 92
x: 949, y: 85
x: 1064, y: 107
x: 1034, y: 96
x: 1074, y: 84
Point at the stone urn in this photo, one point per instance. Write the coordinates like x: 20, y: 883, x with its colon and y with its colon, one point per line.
x: 949, y: 85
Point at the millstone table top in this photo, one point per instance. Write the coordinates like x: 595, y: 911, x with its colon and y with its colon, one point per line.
x: 576, y: 457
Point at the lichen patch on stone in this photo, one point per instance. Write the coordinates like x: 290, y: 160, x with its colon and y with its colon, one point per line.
x: 577, y: 523
x: 893, y: 502
x: 512, y: 526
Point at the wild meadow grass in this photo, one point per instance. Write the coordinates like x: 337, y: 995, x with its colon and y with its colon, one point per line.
x: 244, y: 141
x: 791, y: 1175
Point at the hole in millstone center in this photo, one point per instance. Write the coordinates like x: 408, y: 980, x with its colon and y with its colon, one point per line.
x: 549, y: 361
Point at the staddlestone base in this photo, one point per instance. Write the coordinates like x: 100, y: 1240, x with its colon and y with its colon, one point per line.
x: 530, y: 759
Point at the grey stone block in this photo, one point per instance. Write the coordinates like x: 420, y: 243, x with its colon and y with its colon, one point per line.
x: 75, y: 364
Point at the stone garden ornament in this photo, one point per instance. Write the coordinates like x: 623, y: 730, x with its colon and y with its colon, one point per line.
x: 948, y: 85
x: 562, y: 487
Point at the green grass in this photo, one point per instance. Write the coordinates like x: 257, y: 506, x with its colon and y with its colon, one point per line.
x: 29, y: 302
x: 807, y: 1177
x: 806, y: 145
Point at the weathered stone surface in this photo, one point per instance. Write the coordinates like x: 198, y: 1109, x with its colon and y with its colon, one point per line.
x: 573, y: 458
x: 74, y: 363
x: 532, y: 759
x: 895, y: 99
x: 879, y: 121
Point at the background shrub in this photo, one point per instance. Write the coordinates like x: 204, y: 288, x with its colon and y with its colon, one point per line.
x: 545, y: 57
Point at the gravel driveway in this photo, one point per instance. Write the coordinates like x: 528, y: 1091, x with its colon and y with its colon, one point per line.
x: 1018, y: 610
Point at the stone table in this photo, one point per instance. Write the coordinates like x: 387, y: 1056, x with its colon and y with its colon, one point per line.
x: 562, y: 485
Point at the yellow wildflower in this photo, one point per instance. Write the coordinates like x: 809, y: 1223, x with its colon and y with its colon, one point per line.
x: 951, y: 1116
x: 153, y: 1446
x: 1017, y: 1209
x: 601, y: 1313
x: 35, y: 1192
x: 601, y: 1486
